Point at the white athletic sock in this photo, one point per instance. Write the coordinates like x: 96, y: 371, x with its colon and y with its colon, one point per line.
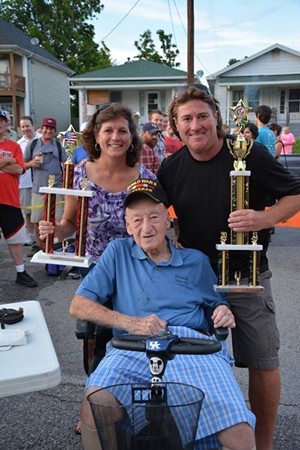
x: 20, y: 268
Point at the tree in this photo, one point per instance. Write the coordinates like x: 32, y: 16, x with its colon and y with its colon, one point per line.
x: 148, y: 51
x: 232, y: 61
x: 62, y: 28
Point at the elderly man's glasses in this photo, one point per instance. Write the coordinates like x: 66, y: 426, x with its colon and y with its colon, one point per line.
x: 200, y: 87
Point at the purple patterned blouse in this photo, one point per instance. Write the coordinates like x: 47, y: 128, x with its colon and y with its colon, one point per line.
x: 106, y: 217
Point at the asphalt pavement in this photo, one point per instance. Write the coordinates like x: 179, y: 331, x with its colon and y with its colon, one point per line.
x: 45, y: 420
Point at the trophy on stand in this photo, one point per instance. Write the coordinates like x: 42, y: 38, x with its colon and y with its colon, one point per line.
x: 239, y: 192
x: 48, y: 255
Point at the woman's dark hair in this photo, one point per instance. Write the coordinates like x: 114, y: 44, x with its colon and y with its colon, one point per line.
x: 194, y: 93
x: 104, y: 114
x: 275, y: 127
x: 253, y: 128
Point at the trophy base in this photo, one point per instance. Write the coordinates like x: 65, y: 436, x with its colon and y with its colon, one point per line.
x: 233, y: 288
x: 62, y: 259
x: 240, y: 247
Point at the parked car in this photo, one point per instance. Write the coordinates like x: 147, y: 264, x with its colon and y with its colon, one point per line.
x: 292, y: 163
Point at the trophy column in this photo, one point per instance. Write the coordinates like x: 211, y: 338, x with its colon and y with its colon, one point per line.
x: 239, y: 199
x: 49, y: 215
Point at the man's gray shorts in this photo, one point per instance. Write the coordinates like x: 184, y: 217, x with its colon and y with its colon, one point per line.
x: 255, y: 339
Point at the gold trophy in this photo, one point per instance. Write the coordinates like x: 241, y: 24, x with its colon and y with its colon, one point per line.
x: 239, y: 195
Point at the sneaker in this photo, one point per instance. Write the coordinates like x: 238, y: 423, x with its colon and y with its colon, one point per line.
x: 33, y: 251
x: 30, y: 240
x: 25, y: 279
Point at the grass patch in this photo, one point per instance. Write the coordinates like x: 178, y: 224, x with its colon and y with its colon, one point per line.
x: 296, y: 146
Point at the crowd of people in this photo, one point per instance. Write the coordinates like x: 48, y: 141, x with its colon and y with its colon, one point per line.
x: 179, y: 160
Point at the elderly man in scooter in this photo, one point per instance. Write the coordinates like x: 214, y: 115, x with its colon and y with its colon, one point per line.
x: 154, y: 285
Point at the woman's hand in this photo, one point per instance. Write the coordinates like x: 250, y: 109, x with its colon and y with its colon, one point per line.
x: 45, y: 229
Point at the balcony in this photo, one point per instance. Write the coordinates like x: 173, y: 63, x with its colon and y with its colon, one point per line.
x: 10, y: 86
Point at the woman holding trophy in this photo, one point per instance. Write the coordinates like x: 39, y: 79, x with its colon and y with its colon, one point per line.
x: 112, y: 143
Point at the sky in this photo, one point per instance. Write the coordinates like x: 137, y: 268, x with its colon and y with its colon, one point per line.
x: 224, y: 29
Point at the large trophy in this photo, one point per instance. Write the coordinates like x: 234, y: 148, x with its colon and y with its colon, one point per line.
x: 48, y: 255
x: 239, y: 195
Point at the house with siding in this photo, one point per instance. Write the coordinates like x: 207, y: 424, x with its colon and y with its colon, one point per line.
x: 32, y: 81
x: 270, y: 77
x: 142, y: 85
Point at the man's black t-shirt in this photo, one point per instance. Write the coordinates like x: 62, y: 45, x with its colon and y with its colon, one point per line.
x: 200, y: 194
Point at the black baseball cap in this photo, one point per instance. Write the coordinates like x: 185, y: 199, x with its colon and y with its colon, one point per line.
x: 148, y: 187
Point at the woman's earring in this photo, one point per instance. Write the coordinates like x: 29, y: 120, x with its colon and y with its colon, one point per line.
x: 131, y: 148
x: 97, y: 147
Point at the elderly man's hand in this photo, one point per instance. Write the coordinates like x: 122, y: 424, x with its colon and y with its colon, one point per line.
x: 223, y: 317
x: 147, y: 326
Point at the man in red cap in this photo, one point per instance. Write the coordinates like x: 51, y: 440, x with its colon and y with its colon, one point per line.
x: 45, y: 157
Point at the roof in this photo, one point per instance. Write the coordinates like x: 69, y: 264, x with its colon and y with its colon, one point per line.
x: 11, y: 36
x: 252, y: 57
x: 134, y: 70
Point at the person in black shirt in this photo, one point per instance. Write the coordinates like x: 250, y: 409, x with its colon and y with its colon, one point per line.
x: 196, y: 179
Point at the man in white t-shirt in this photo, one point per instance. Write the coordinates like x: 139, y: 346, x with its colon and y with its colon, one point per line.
x: 25, y: 181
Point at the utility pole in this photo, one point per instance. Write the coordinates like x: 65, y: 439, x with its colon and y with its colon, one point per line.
x: 190, y: 41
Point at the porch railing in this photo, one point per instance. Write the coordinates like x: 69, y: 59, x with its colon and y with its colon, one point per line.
x: 6, y: 83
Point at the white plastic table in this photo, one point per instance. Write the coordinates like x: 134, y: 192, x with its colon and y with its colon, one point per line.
x: 30, y: 367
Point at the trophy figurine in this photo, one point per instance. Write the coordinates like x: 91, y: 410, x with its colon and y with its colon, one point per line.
x: 70, y: 142
x: 239, y: 199
x: 68, y: 172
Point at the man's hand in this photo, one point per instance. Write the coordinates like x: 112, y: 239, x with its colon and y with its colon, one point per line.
x: 7, y: 161
x: 34, y: 163
x: 148, y: 326
x: 223, y: 317
x: 247, y: 220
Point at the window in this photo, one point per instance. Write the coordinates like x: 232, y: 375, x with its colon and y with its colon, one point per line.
x: 236, y: 96
x: 282, y: 101
x: 294, y: 100
x: 153, y: 101
x: 115, y: 96
x: 4, y: 73
x: 253, y: 97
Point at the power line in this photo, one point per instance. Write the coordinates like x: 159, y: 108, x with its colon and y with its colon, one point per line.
x: 115, y: 27
x: 119, y: 23
x: 173, y: 29
x: 185, y: 32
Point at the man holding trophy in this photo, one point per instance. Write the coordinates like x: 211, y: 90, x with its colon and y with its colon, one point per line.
x: 197, y: 181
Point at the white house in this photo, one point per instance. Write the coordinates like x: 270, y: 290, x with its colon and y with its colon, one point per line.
x: 142, y: 85
x: 270, y: 77
x: 32, y: 81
